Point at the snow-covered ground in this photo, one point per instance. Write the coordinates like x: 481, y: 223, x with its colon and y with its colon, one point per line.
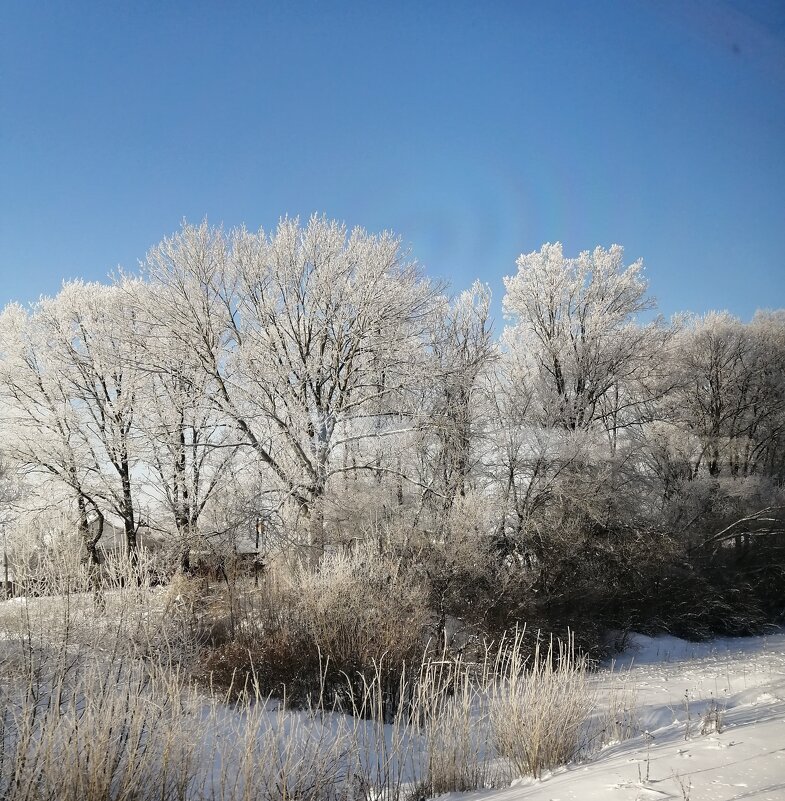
x: 710, y: 719
x: 679, y: 753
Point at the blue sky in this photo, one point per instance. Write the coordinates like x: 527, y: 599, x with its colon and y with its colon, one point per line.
x: 476, y: 131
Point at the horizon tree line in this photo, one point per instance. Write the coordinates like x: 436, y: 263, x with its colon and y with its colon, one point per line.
x: 315, y: 379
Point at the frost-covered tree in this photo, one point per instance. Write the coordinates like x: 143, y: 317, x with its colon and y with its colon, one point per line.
x: 575, y: 332
x: 462, y: 351
x: 44, y: 433
x: 97, y: 344
x: 731, y: 391
x: 187, y: 444
x: 93, y: 361
x: 579, y: 374
x: 310, y: 334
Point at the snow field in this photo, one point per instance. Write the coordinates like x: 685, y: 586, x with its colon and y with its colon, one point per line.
x: 96, y: 706
x: 680, y: 752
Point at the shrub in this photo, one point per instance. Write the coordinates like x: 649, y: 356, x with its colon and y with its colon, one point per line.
x: 539, y: 708
x: 312, y: 630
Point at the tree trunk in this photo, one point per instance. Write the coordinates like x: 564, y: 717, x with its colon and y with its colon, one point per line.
x: 129, y: 522
x: 316, y: 529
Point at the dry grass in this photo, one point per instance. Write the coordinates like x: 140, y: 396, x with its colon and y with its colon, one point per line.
x: 541, y: 706
x: 98, y: 703
x: 452, y: 702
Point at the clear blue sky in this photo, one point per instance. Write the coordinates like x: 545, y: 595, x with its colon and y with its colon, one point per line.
x: 475, y: 131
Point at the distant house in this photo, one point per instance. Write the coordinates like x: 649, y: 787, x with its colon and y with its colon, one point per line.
x: 113, y: 539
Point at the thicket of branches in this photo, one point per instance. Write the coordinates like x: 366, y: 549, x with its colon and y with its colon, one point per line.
x: 310, y: 391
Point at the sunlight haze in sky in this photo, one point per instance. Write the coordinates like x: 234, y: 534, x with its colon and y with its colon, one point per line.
x: 475, y: 131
